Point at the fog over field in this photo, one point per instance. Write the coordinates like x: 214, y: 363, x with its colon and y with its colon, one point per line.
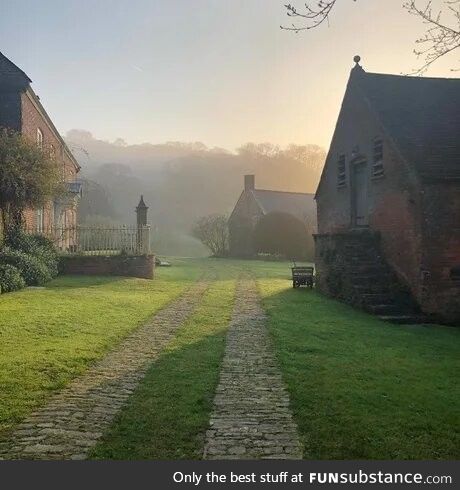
x: 182, y: 181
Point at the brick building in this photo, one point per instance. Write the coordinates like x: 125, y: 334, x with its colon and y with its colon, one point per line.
x: 22, y: 111
x: 254, y: 203
x: 388, y: 202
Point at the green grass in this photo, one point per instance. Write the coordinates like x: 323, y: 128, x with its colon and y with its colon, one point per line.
x: 50, y: 335
x: 361, y: 388
x: 168, y: 414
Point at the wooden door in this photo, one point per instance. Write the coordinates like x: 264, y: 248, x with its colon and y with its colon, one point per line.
x: 360, y: 194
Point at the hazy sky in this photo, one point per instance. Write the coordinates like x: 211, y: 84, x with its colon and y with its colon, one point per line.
x: 217, y: 71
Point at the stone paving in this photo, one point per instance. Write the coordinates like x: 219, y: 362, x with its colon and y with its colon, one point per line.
x: 70, y: 424
x: 251, y: 418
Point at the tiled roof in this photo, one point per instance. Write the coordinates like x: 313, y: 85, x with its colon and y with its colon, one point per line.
x: 300, y: 205
x: 422, y: 116
x: 10, y: 73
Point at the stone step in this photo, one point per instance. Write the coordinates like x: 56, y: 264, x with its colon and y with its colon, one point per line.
x: 401, y: 319
x: 369, y: 269
x: 357, y: 261
x: 372, y: 288
x: 376, y: 298
x: 382, y: 280
x: 385, y: 309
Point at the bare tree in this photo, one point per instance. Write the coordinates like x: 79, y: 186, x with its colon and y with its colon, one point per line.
x: 212, y: 231
x: 312, y: 15
x: 442, y: 35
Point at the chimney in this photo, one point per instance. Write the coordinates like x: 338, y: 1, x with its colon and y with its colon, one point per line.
x: 249, y: 182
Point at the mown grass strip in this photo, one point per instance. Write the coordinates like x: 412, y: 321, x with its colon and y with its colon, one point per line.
x: 362, y: 388
x: 168, y: 414
x: 50, y: 335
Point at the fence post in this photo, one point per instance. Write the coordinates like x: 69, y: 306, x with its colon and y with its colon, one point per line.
x: 146, y: 240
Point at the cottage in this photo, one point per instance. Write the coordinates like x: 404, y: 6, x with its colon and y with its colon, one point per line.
x: 22, y: 111
x: 388, y: 201
x: 254, y: 203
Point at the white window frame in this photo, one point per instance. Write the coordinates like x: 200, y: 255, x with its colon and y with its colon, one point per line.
x: 39, y: 138
x: 40, y: 220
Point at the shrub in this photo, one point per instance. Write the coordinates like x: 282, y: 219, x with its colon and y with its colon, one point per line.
x: 282, y: 234
x: 32, y: 269
x: 38, y: 246
x: 10, y: 278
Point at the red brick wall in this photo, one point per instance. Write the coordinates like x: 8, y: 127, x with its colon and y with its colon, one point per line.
x: 142, y: 266
x: 441, y: 213
x: 241, y: 225
x: 33, y: 119
x: 394, y: 200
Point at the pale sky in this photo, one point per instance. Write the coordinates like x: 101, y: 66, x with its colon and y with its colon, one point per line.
x: 216, y: 71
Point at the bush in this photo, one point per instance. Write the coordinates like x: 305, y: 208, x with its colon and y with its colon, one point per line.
x: 282, y: 234
x: 10, y: 279
x: 38, y: 246
x: 32, y: 269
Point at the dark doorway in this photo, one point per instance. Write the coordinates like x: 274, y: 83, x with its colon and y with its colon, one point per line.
x: 359, y: 204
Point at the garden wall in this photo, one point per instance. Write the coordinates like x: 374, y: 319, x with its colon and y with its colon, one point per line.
x: 116, y: 265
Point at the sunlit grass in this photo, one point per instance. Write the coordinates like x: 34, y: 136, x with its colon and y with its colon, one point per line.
x: 168, y: 414
x: 362, y: 388
x: 50, y: 335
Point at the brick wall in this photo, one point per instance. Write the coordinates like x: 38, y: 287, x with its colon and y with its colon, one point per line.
x: 32, y: 119
x: 241, y: 226
x: 394, y: 201
x: 441, y: 250
x: 139, y: 266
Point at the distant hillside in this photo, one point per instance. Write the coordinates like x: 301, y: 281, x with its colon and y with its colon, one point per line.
x: 182, y: 181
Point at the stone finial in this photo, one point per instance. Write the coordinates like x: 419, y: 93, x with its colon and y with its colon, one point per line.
x: 141, y: 204
x: 357, y: 59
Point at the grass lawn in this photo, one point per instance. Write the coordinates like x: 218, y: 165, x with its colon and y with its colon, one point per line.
x: 168, y: 414
x: 50, y: 335
x: 361, y: 388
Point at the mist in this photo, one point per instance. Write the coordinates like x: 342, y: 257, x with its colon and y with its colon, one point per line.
x: 182, y: 182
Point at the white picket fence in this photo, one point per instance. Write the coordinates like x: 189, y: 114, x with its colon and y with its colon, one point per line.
x: 99, y: 240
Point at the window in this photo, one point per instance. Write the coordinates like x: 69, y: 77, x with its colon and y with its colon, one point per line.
x: 39, y: 138
x: 341, y: 172
x: 40, y: 220
x: 377, y: 162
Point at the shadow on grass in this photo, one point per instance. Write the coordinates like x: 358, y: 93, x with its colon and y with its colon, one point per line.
x: 82, y: 281
x: 168, y: 414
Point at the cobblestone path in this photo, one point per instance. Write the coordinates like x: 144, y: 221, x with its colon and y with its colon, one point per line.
x: 75, y: 418
x: 251, y: 418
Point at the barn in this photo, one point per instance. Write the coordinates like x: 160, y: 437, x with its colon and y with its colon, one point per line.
x: 388, y: 201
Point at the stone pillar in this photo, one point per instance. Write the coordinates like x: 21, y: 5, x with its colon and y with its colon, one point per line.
x: 143, y: 230
x: 141, y: 212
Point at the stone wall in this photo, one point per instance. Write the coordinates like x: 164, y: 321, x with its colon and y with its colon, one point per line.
x: 116, y: 265
x: 350, y: 266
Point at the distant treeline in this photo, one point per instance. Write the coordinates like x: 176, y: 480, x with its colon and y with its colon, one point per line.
x: 182, y: 182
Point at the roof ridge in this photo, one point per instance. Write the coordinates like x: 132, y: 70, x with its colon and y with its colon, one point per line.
x: 410, y: 77
x: 284, y: 192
